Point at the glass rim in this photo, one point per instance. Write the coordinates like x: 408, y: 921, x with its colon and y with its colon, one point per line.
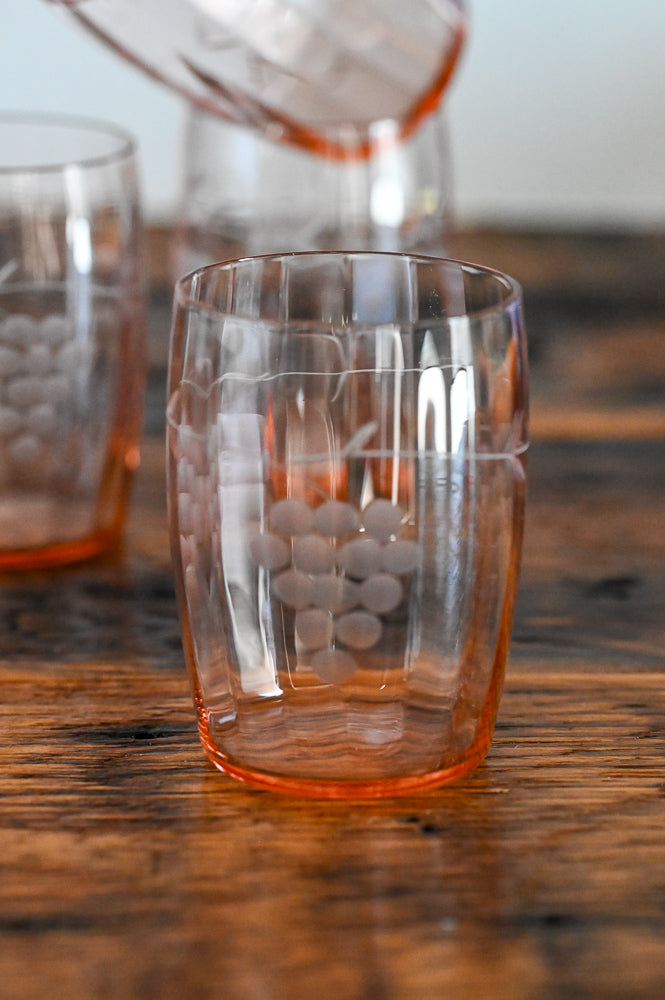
x: 512, y: 287
x: 121, y: 144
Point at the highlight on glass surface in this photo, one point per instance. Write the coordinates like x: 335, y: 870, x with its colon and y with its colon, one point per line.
x: 72, y: 336
x: 346, y: 441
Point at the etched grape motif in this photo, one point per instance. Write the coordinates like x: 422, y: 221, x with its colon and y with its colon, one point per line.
x: 39, y: 364
x: 339, y: 570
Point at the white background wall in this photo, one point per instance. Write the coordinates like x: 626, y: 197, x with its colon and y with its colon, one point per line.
x: 557, y: 111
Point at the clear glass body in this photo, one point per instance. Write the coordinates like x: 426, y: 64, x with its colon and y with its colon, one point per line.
x: 314, y: 73
x: 242, y: 194
x: 346, y: 492
x: 72, y: 337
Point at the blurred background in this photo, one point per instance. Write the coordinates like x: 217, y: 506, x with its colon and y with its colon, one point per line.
x: 557, y: 111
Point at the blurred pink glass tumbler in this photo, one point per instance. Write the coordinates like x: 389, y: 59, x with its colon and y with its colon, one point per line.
x: 346, y: 493
x: 72, y: 337
x: 243, y: 195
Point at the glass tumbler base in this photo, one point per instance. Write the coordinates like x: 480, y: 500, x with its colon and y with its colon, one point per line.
x: 373, y: 789
x: 397, y: 778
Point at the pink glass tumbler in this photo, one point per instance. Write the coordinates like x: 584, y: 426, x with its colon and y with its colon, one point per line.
x: 346, y: 440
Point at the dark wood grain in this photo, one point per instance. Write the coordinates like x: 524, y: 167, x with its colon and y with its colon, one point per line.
x: 130, y: 870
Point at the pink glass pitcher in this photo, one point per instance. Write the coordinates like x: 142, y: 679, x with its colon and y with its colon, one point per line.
x: 314, y: 73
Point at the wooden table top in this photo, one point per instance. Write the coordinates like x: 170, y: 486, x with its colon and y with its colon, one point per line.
x: 131, y: 870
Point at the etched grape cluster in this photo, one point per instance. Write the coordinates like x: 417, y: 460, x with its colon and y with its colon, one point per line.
x: 39, y: 360
x: 339, y: 570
